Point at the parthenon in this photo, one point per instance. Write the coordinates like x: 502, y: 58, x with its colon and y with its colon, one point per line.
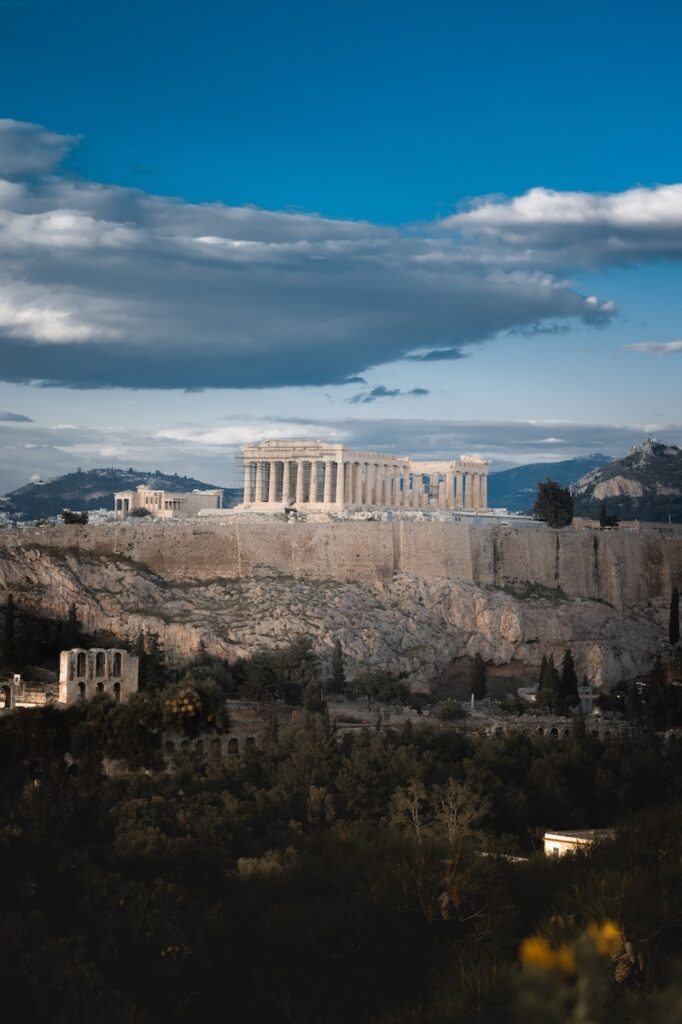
x: 328, y: 477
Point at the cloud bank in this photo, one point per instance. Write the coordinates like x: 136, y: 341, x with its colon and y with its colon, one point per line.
x: 576, y: 229
x: 103, y: 286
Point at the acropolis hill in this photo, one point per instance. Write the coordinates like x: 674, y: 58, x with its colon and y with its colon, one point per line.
x: 413, y: 596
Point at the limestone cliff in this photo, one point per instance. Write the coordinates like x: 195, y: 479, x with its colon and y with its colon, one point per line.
x: 414, y: 597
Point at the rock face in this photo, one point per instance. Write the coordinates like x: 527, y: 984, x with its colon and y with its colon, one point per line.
x: 646, y: 484
x: 408, y: 596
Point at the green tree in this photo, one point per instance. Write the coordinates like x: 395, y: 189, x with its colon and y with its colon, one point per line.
x: 478, y: 683
x: 674, y: 623
x: 75, y: 518
x: 338, y: 668
x: 549, y: 691
x: 568, y: 681
x: 8, y: 637
x: 603, y: 516
x: 554, y: 504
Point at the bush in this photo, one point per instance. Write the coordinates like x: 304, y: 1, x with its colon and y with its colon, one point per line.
x: 139, y: 513
x: 75, y: 518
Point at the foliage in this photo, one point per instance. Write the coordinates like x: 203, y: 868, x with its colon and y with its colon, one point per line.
x: 386, y: 687
x: 315, y: 861
x: 606, y: 521
x: 139, y: 513
x: 478, y: 685
x: 338, y: 680
x: 554, y: 504
x: 74, y: 518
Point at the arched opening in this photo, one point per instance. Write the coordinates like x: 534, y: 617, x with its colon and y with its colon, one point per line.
x: 7, y: 697
x: 80, y: 664
x: 184, y: 745
x: 169, y: 747
x: 99, y: 663
x: 595, y: 732
x: 117, y: 692
x: 100, y: 687
x: 554, y: 733
x: 567, y: 732
x: 541, y: 731
x: 81, y: 690
x: 215, y: 749
x: 250, y: 743
x: 199, y: 747
x: 607, y: 734
x: 116, y: 664
x: 233, y: 747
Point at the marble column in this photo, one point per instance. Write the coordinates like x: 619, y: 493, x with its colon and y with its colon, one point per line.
x: 272, y: 484
x: 458, y: 488
x: 340, y: 483
x: 327, y: 494
x: 259, y: 481
x: 299, y: 481
x: 470, y: 490
x: 369, y: 483
x: 359, y: 481
x: 484, y: 490
x: 286, y: 481
x: 379, y: 496
x: 247, y: 483
x: 312, y: 494
x: 450, y: 490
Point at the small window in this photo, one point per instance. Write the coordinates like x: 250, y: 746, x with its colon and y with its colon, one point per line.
x: 116, y: 664
x: 99, y: 663
x: 81, y: 690
x: 80, y: 664
x: 117, y: 692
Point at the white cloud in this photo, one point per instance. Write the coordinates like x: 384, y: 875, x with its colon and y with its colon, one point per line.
x: 160, y: 293
x: 578, y: 228
x: 661, y: 348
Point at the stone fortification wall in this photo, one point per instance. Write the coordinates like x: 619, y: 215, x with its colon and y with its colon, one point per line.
x: 625, y: 569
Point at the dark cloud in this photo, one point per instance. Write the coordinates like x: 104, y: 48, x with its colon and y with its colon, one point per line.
x: 438, y: 354
x: 14, y: 417
x: 114, y: 287
x: 383, y: 392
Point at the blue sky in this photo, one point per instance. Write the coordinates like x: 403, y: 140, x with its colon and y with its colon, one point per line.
x: 349, y: 152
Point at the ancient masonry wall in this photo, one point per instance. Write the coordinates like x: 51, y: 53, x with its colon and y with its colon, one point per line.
x: 625, y: 569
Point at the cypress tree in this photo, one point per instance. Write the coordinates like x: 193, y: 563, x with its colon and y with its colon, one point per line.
x: 674, y: 624
x: 338, y: 668
x: 568, y: 683
x: 603, y: 515
x: 550, y: 685
x: 478, y: 678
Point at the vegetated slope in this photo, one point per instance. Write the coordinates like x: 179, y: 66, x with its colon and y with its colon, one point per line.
x: 95, y: 489
x: 516, y: 488
x: 646, y: 484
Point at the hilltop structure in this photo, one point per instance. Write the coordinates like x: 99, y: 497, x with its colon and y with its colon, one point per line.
x: 328, y: 477
x: 166, y: 504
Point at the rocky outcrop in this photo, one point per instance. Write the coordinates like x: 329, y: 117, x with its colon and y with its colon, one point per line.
x: 415, y: 600
x: 646, y: 484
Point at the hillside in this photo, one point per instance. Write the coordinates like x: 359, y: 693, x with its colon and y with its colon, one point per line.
x: 646, y: 484
x: 94, y: 489
x: 516, y: 488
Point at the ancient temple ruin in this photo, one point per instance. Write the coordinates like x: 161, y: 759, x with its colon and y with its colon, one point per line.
x: 329, y: 477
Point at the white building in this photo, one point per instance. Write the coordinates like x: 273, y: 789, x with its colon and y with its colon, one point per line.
x: 327, y: 477
x: 166, y: 504
x: 557, y: 844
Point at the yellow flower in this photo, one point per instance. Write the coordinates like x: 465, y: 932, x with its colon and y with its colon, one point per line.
x: 607, y: 937
x: 537, y: 952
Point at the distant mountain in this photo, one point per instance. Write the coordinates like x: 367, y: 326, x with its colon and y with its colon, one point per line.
x: 516, y: 488
x: 93, y: 489
x: 646, y: 485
